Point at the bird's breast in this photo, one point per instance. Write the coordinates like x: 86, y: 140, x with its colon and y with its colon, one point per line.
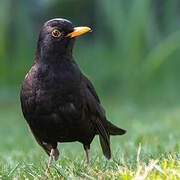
x: 57, y: 86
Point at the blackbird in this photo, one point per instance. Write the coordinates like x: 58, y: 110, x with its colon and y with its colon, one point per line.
x: 58, y: 102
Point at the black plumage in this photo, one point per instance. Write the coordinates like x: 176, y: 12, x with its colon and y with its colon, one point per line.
x: 58, y: 102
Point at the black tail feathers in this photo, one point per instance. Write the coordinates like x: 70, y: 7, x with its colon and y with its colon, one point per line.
x: 114, y: 130
x: 105, y: 147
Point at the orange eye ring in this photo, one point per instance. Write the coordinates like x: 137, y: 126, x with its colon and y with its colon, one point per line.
x: 56, y: 33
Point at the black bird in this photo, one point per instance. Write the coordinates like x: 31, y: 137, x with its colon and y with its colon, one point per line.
x: 58, y: 102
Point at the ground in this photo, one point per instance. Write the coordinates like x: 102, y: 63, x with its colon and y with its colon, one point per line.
x: 149, y: 150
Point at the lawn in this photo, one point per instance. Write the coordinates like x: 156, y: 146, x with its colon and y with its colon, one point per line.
x: 149, y: 150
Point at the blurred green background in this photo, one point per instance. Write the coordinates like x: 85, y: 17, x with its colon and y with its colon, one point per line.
x: 132, y: 57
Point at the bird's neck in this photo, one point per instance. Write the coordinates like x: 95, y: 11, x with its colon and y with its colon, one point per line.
x: 55, y: 59
x: 54, y: 53
x: 53, y: 56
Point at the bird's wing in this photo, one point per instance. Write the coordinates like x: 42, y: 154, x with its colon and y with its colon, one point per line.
x: 97, y: 114
x: 113, y: 130
x: 90, y: 87
x: 104, y: 127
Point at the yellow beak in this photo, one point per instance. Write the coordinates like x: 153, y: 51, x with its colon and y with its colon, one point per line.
x: 79, y: 31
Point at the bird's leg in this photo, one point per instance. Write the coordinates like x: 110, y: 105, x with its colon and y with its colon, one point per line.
x: 56, y: 154
x: 87, y: 155
x: 50, y: 160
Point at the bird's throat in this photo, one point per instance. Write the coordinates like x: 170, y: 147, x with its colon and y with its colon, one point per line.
x: 55, y: 54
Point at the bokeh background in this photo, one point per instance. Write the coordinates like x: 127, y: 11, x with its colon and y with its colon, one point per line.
x: 132, y: 57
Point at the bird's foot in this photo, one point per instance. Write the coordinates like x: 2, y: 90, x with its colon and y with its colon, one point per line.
x: 53, y: 153
x: 47, y: 172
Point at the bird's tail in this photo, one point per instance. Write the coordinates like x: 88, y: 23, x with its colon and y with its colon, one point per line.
x: 104, y: 137
x: 114, y: 130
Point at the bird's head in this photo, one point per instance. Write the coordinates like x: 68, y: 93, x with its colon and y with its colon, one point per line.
x: 57, y: 36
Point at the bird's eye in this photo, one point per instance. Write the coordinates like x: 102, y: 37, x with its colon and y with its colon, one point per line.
x: 56, y: 33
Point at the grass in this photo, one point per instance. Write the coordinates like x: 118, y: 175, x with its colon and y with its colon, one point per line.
x: 149, y: 150
x: 137, y: 45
